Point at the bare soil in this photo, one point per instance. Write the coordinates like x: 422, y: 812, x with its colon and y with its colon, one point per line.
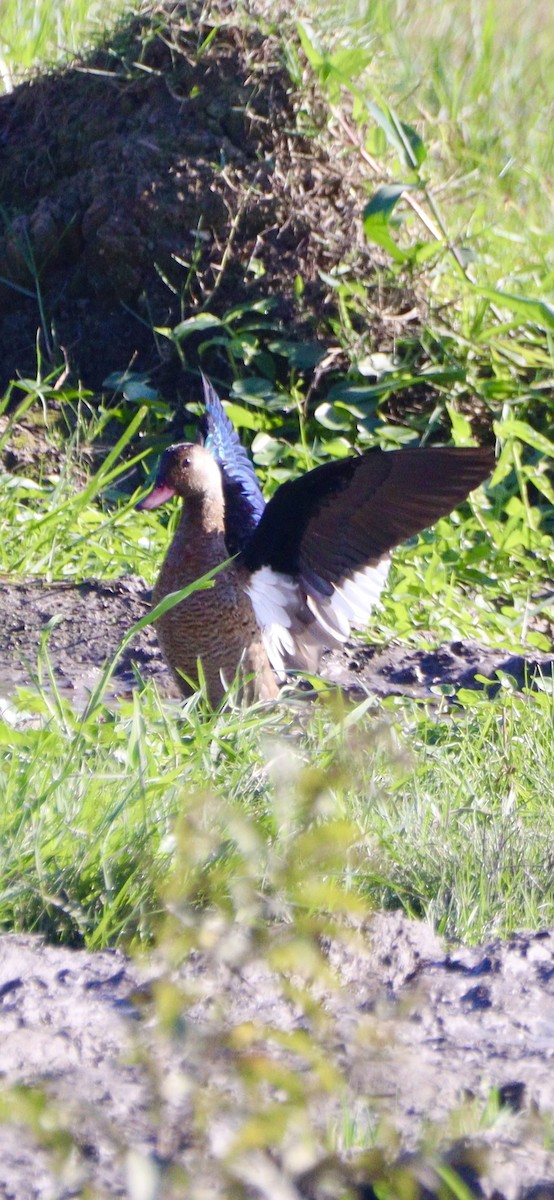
x: 421, y: 1032
x: 108, y: 608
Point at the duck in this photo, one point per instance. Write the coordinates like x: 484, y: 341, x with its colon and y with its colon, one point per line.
x: 297, y: 574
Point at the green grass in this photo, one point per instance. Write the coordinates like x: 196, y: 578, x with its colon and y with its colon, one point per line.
x: 38, y: 33
x: 482, y: 107
x: 465, y: 833
x: 446, y: 814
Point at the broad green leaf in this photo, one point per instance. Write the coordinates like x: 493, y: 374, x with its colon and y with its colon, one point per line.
x: 376, y: 229
x: 341, y: 66
x: 337, y: 448
x: 377, y: 364
x: 540, y: 641
x: 195, y: 325
x: 266, y: 450
x: 358, y: 393
x: 383, y: 119
x: 259, y: 391
x: 376, y: 217
x: 417, y: 146
x: 331, y: 417
x: 514, y: 428
x: 348, y: 62
x: 403, y: 138
x: 21, y: 483
x: 242, y: 418
x: 538, y: 311
x: 422, y: 251
x: 315, y: 56
x: 302, y: 355
x: 384, y: 200
x: 135, y: 391
x: 262, y: 306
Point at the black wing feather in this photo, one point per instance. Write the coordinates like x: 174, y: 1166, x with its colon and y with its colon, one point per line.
x: 345, y: 515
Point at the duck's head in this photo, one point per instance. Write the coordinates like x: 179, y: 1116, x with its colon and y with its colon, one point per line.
x: 186, y: 470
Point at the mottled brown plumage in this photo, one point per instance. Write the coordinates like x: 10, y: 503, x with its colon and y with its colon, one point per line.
x: 216, y: 625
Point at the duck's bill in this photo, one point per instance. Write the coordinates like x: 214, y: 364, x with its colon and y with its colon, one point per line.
x: 160, y: 494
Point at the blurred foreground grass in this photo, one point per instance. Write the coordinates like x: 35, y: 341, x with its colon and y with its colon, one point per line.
x: 445, y: 813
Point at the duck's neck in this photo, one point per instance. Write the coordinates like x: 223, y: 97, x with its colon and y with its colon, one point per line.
x: 199, y: 542
x: 203, y: 515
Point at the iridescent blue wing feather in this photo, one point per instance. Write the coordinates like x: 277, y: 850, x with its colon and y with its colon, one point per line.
x: 244, y: 503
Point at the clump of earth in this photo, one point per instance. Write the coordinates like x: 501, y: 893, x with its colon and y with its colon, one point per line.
x: 152, y: 180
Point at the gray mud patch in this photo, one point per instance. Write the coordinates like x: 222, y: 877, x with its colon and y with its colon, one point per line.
x: 84, y: 623
x: 421, y: 1032
x: 81, y: 625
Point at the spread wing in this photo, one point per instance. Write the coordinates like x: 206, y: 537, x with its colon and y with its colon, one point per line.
x: 244, y: 503
x: 331, y: 531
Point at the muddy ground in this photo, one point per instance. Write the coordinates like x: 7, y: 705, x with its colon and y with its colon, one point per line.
x: 421, y: 1032
x: 107, y: 609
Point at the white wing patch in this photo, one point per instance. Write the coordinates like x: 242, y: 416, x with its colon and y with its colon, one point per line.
x: 297, y: 623
x: 275, y: 599
x: 352, y: 602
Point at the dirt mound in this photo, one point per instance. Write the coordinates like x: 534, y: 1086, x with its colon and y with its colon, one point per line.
x: 175, y: 168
